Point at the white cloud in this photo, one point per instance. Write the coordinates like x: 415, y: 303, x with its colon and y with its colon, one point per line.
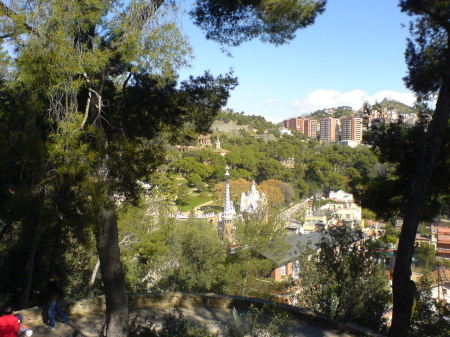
x: 271, y: 101
x: 321, y: 99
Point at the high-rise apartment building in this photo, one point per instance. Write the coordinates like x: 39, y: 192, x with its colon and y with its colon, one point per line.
x: 351, y: 129
x: 310, y: 128
x: 357, y: 129
x: 303, y: 125
x: 328, y: 129
x: 295, y: 124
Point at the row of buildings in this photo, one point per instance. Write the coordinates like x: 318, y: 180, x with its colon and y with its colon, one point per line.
x: 440, y: 239
x: 337, y: 210
x: 347, y: 129
x: 386, y: 115
x: 306, y: 126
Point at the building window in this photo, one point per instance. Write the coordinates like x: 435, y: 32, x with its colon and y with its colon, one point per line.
x: 283, y: 271
x: 444, y: 291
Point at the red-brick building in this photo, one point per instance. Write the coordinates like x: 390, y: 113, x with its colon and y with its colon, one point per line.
x: 295, y: 124
x: 303, y: 125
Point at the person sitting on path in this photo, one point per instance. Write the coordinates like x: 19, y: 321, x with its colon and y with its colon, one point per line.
x: 54, y: 294
x: 24, y: 331
x: 9, y: 325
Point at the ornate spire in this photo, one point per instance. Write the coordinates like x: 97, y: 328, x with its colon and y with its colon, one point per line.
x: 228, y: 212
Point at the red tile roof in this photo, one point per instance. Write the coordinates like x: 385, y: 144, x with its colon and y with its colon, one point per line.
x: 443, y: 230
x: 443, y: 238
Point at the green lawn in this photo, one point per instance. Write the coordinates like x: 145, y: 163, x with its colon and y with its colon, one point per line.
x: 192, y: 201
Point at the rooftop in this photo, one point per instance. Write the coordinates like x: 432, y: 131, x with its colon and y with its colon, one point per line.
x: 443, y: 230
x: 296, y: 244
x: 443, y: 238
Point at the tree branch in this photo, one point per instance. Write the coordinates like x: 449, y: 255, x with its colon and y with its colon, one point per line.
x: 9, y: 13
x: 139, y: 16
x: 88, y: 103
x: 86, y: 110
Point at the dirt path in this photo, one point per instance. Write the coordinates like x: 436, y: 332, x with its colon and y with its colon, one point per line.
x: 204, y: 204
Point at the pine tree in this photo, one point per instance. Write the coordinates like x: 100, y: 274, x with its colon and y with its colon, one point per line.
x: 428, y: 60
x: 104, y: 80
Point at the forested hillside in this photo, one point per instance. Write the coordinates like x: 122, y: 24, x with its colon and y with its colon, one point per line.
x: 318, y: 168
x: 252, y: 121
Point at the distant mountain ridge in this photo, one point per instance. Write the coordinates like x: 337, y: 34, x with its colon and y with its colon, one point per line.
x: 338, y: 112
x: 260, y: 123
x: 345, y: 111
x: 390, y: 104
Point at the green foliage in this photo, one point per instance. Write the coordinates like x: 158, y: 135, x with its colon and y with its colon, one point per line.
x: 188, y: 255
x: 199, y: 256
x: 390, y: 104
x: 423, y: 229
x: 194, y: 180
x: 342, y: 280
x: 93, y: 105
x: 254, y: 322
x: 390, y: 235
x: 339, y: 112
x: 275, y: 21
x: 142, y: 245
x: 269, y: 169
x: 318, y: 168
x: 384, y: 189
x: 427, y: 59
x: 368, y: 214
x: 253, y: 121
x: 427, y: 316
x: 258, y: 322
x: 172, y: 255
x: 169, y: 325
x: 247, y: 270
x: 426, y: 52
x: 426, y: 256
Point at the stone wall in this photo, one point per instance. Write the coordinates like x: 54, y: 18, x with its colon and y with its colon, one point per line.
x: 96, y: 305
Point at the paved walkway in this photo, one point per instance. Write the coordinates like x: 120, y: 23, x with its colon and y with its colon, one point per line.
x: 287, y: 214
x: 90, y: 324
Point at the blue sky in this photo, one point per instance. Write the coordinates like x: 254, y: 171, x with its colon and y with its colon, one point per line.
x: 353, y: 53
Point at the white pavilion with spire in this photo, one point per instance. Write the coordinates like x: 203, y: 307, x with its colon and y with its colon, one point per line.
x: 253, y: 200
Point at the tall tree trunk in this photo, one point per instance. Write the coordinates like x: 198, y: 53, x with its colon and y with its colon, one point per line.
x: 403, y: 288
x: 29, y: 267
x: 116, y: 321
